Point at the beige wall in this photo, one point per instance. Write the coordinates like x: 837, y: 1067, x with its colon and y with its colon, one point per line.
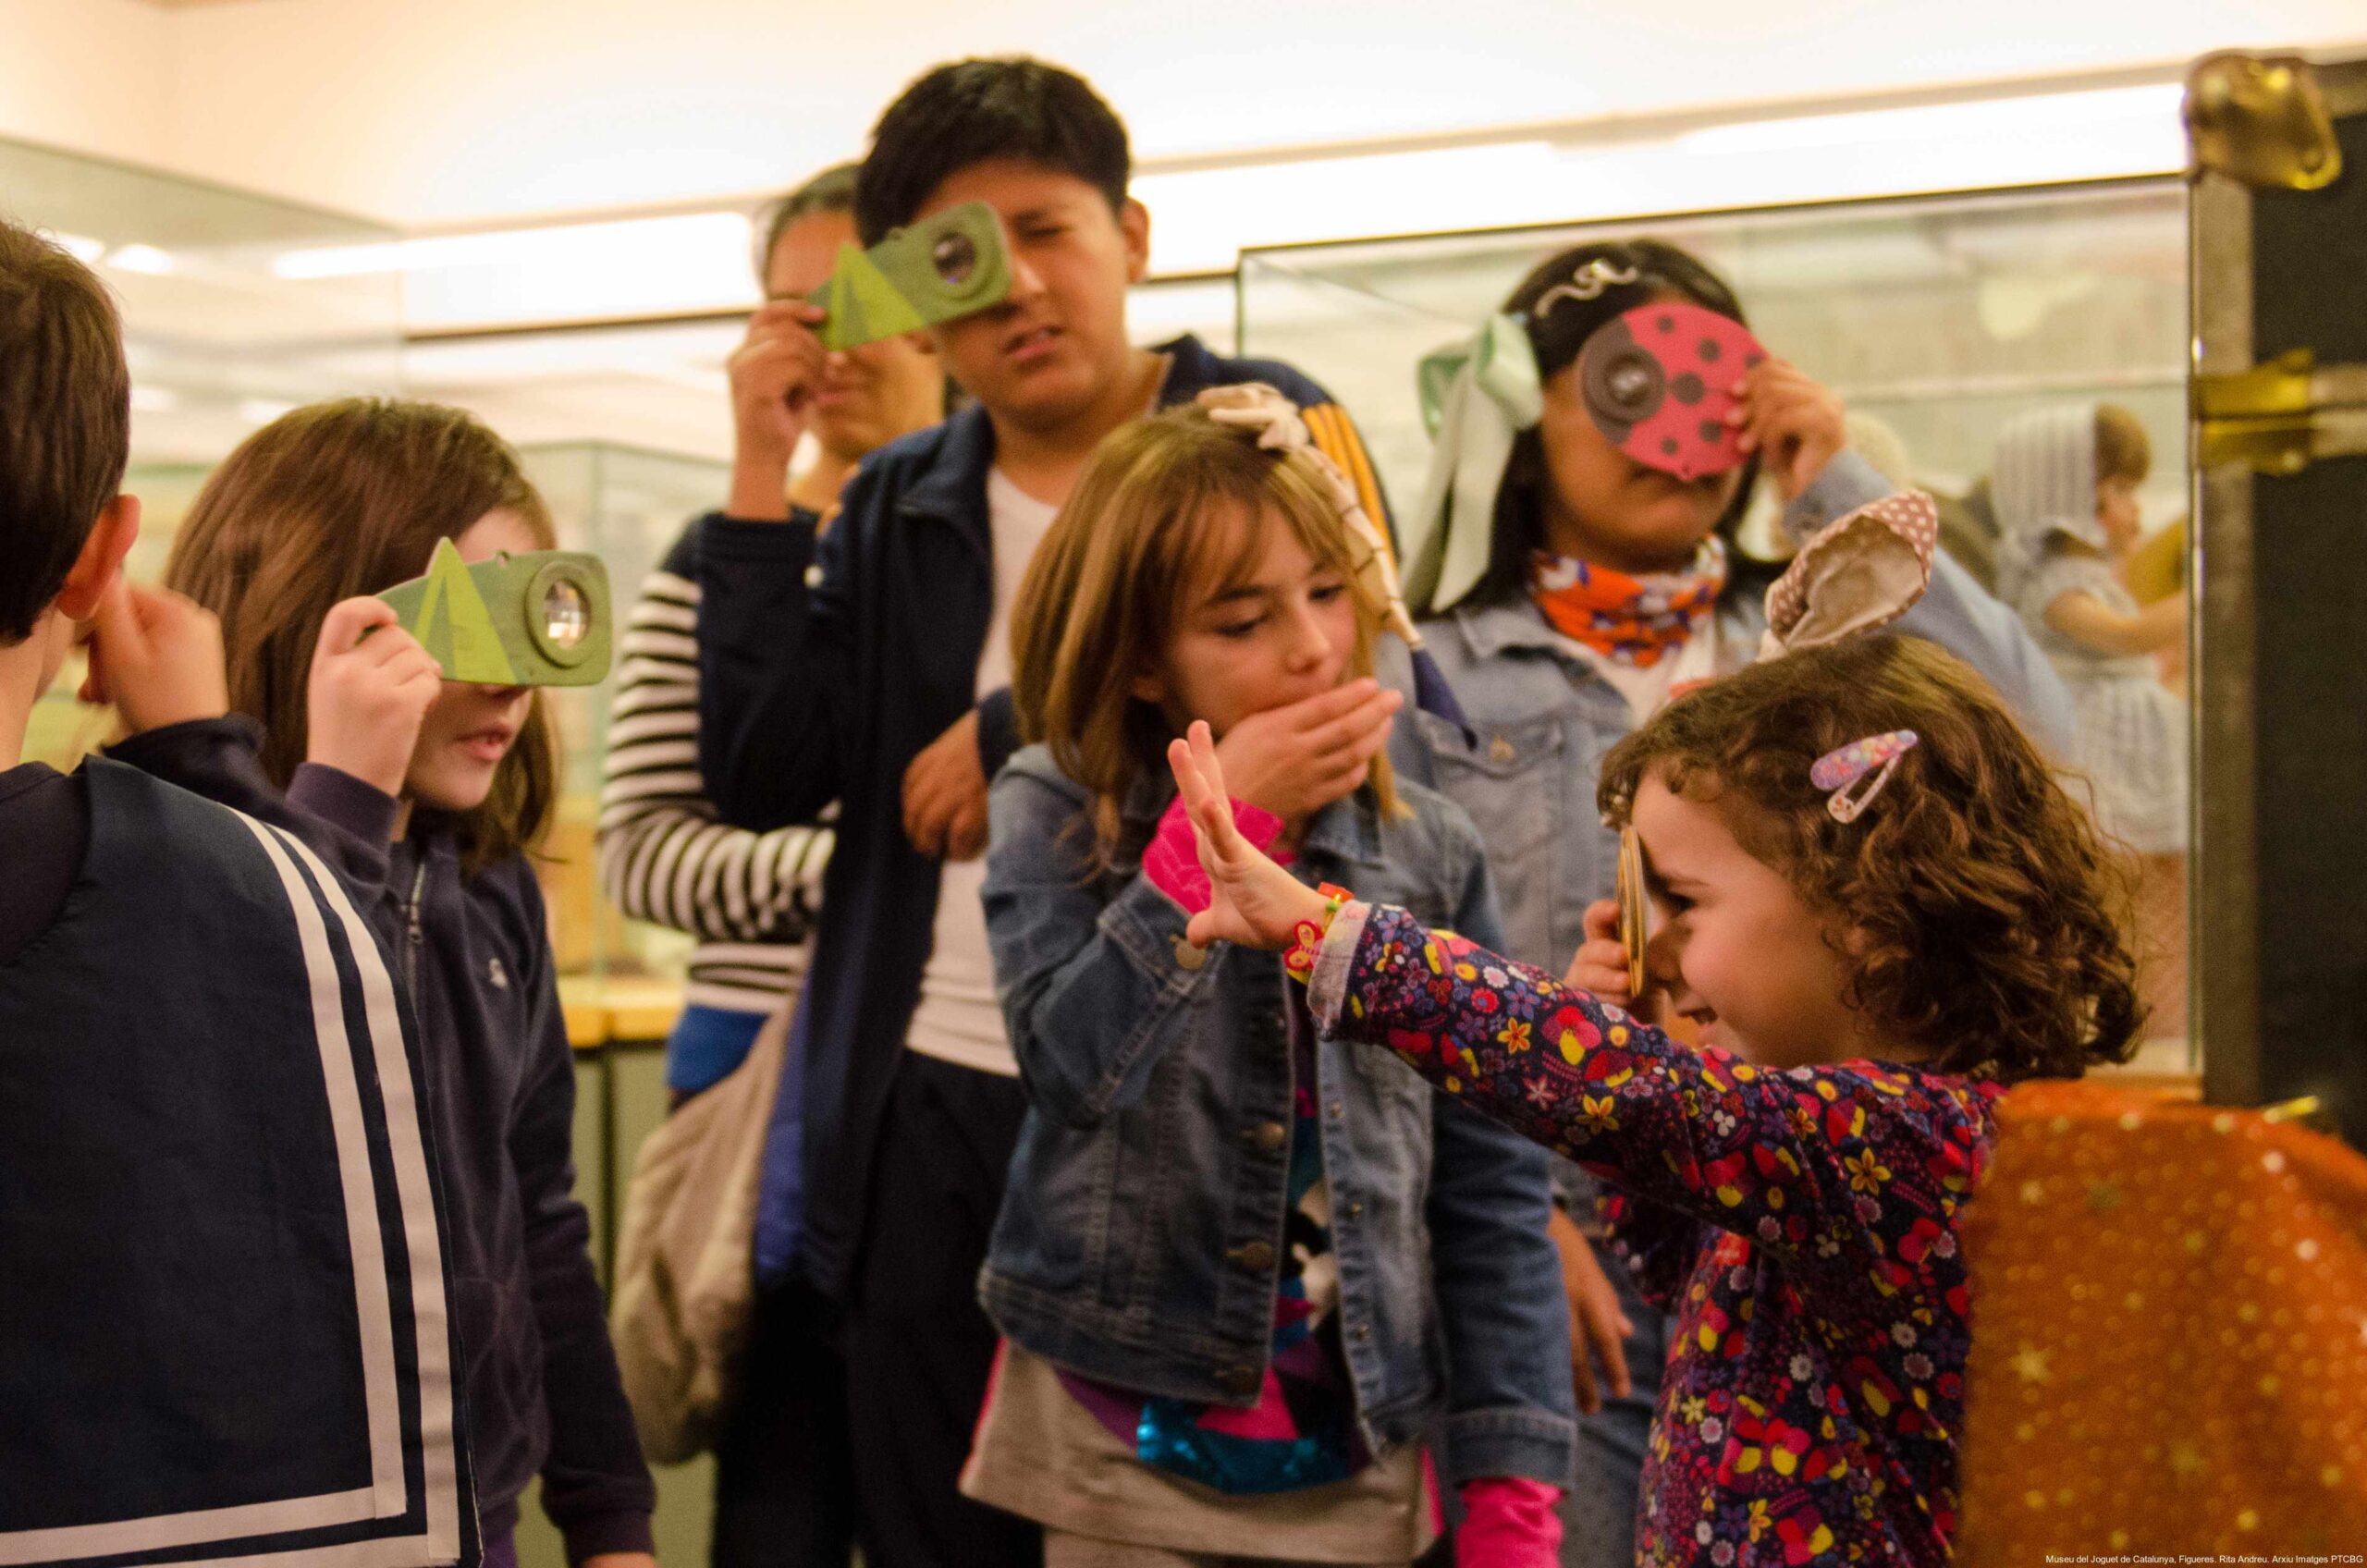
x: 436, y: 111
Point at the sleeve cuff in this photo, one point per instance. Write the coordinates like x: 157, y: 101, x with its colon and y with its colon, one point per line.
x: 1172, y: 861
x: 340, y: 799
x: 610, y: 1532
x: 1326, y: 993
x: 1509, y: 1520
x: 748, y: 540
x: 154, y: 751
x: 998, y: 732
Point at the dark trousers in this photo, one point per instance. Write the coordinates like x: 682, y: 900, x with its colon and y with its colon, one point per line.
x: 784, y: 1479
x: 863, y: 1432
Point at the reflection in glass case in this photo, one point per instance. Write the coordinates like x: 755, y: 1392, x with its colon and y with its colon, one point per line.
x: 236, y: 307
x: 222, y: 330
x: 1937, y: 321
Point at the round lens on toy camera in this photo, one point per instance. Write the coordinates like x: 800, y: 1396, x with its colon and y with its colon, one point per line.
x: 566, y: 614
x: 1631, y: 382
x: 955, y: 257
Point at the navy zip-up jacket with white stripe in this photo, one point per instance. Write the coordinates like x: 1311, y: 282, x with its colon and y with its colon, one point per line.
x: 542, y: 1390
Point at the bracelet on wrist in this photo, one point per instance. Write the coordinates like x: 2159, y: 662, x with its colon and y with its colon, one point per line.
x: 1299, y: 962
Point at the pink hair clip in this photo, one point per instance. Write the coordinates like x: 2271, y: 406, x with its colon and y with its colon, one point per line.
x: 1836, y: 772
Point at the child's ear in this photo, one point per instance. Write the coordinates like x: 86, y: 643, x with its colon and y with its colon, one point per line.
x: 101, y: 559
x: 1148, y: 687
x: 1133, y: 223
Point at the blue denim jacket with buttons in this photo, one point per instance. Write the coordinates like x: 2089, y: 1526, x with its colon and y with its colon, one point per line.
x: 1140, y: 1231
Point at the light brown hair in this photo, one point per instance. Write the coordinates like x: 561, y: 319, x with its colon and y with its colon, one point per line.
x: 2123, y: 451
x: 1142, y: 540
x: 1974, y: 904
x: 65, y: 420
x: 334, y: 501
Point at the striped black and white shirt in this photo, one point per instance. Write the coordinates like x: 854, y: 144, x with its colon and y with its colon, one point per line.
x: 750, y: 898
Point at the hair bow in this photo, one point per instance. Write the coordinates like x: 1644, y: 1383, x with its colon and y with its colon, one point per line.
x: 1256, y: 406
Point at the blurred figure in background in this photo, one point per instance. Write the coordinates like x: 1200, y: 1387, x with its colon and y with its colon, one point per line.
x: 2064, y: 487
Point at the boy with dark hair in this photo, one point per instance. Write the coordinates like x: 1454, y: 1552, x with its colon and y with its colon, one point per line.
x: 223, y: 1324
x: 868, y: 666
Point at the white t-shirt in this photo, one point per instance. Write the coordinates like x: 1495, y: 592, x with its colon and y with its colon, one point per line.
x: 958, y: 1020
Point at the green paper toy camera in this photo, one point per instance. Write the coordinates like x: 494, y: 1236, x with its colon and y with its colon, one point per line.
x: 940, y: 269
x: 536, y: 620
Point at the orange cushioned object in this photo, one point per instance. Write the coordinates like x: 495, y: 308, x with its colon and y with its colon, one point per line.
x: 2169, y: 1335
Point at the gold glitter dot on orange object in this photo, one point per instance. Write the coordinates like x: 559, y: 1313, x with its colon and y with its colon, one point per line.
x: 2193, y: 1357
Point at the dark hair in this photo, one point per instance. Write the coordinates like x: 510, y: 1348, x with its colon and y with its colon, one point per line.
x: 1977, y: 907
x: 65, y: 420
x: 972, y: 110
x: 832, y: 191
x: 1556, y: 337
x: 336, y: 500
x: 2123, y: 451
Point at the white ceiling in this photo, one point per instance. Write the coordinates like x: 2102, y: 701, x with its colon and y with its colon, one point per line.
x: 441, y: 112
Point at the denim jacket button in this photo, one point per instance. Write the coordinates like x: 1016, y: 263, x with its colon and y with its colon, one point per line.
x: 1361, y: 1332
x: 1189, y: 957
x: 1240, y: 1381
x: 1255, y: 1256
x: 1356, y: 1208
x: 1267, y: 1137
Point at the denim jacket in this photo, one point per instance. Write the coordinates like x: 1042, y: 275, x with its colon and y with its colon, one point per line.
x: 1138, y: 1239
x: 1545, y: 719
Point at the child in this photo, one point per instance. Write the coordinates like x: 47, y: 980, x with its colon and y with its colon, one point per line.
x: 429, y: 794
x: 2066, y: 483
x: 1567, y: 590
x: 781, y: 1475
x: 224, y: 1324
x: 1879, y: 909
x: 1242, y: 1276
x: 871, y: 674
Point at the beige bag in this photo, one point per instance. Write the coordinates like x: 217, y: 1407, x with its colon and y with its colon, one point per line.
x: 685, y: 1258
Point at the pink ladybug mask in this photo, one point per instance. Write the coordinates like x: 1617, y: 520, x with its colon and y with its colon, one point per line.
x: 1658, y: 382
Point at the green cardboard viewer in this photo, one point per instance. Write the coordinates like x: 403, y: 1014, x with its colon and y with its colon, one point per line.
x: 536, y: 620
x: 940, y: 269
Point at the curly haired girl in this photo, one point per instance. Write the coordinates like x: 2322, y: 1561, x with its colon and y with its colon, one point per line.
x: 1881, y: 910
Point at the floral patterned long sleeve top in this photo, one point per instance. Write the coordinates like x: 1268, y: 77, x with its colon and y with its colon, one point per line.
x: 1801, y: 1224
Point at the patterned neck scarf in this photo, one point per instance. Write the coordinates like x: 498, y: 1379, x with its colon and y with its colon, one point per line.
x: 1630, y: 620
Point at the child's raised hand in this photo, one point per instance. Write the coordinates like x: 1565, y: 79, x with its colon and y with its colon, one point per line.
x: 370, y: 687
x: 157, y: 657
x: 1251, y: 900
x: 1294, y: 761
x: 772, y: 375
x: 1793, y: 420
x: 1600, y: 963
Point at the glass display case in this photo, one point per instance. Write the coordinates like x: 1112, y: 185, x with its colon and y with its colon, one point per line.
x: 1937, y: 320
x: 627, y: 505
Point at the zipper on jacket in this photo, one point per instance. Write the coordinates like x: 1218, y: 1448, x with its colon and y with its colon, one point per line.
x: 415, y: 934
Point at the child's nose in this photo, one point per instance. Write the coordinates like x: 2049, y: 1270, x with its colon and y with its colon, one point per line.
x: 1309, y: 644
x: 1664, y: 964
x: 1026, y: 283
